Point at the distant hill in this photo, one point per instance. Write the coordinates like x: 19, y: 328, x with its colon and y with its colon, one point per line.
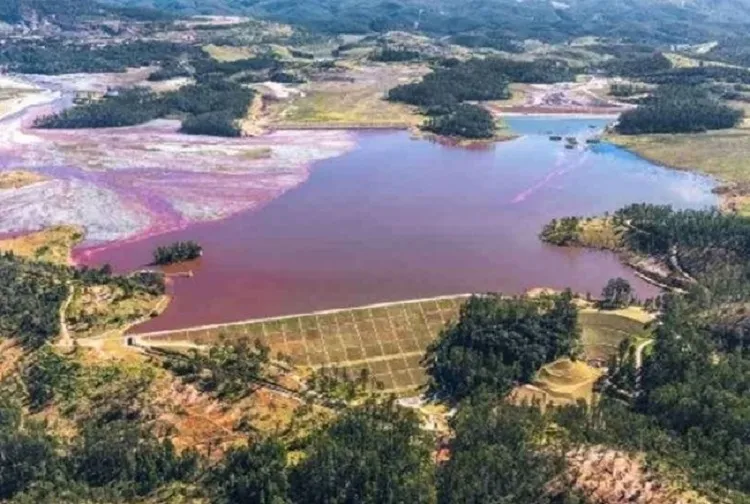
x: 71, y: 11
x: 670, y: 21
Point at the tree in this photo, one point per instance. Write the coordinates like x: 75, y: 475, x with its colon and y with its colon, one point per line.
x: 495, y: 455
x: 123, y: 453
x: 180, y: 251
x: 255, y: 474
x: 466, y: 121
x: 678, y: 109
x: 499, y: 341
x: 371, y: 454
x: 229, y: 371
x: 616, y: 294
x: 26, y: 455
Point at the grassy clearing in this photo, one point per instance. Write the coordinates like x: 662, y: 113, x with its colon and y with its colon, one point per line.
x: 52, y: 245
x: 600, y: 233
x: 723, y: 154
x: 682, y: 61
x: 519, y: 95
x: 10, y: 98
x: 602, y: 332
x: 565, y: 381
x: 351, y: 97
x: 356, y: 107
x: 229, y: 53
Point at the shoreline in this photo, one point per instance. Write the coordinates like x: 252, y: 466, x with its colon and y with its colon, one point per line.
x: 560, y: 115
x: 721, y: 188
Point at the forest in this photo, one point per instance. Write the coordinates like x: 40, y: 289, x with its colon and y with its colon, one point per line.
x: 478, y: 80
x: 118, y: 458
x: 69, y: 12
x: 637, y: 20
x: 693, y: 76
x: 498, y: 342
x: 390, y: 54
x: 52, y: 56
x: 463, y: 120
x: 229, y: 371
x: 441, y: 93
x: 33, y: 293
x: 176, y: 252
x: 637, y: 65
x: 210, y: 107
x: 689, y: 404
x: 678, y: 109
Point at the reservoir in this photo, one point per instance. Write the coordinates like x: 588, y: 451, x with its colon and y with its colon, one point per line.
x: 398, y: 218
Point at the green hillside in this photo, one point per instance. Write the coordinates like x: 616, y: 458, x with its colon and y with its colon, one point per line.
x: 640, y: 20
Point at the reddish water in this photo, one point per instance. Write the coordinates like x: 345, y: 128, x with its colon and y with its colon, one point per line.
x: 399, y: 219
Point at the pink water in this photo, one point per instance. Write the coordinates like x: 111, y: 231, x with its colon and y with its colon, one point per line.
x: 398, y: 218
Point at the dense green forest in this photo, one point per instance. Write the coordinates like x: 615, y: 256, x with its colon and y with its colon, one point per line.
x: 32, y: 295
x: 689, y: 404
x: 210, y: 107
x: 698, y: 75
x: 627, y: 90
x: 390, y: 54
x: 176, y: 252
x: 678, y: 109
x: 113, y: 460
x: 465, y: 121
x: 52, y: 56
x: 477, y: 80
x: 637, y: 65
x: 498, y: 342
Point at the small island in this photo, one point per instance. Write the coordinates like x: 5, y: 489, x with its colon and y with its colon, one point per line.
x: 177, y: 252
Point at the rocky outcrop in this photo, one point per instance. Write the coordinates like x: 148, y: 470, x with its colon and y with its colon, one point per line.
x: 606, y: 476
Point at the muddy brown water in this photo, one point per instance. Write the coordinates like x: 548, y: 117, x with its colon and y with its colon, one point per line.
x: 399, y: 218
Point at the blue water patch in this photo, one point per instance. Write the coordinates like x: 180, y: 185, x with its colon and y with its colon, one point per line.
x: 543, y: 125
x: 615, y: 151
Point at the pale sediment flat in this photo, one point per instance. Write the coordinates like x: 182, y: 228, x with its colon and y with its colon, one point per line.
x: 124, y: 183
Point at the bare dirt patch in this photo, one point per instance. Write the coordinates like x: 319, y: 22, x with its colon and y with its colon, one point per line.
x: 15, y: 179
x: 583, y: 97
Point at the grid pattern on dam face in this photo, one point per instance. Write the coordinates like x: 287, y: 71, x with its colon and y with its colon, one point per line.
x: 389, y: 340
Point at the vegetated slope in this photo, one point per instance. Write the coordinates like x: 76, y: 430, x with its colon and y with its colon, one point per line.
x: 68, y: 11
x: 541, y: 19
x: 16, y: 11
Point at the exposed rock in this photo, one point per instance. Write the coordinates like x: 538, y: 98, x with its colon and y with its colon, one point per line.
x: 606, y: 476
